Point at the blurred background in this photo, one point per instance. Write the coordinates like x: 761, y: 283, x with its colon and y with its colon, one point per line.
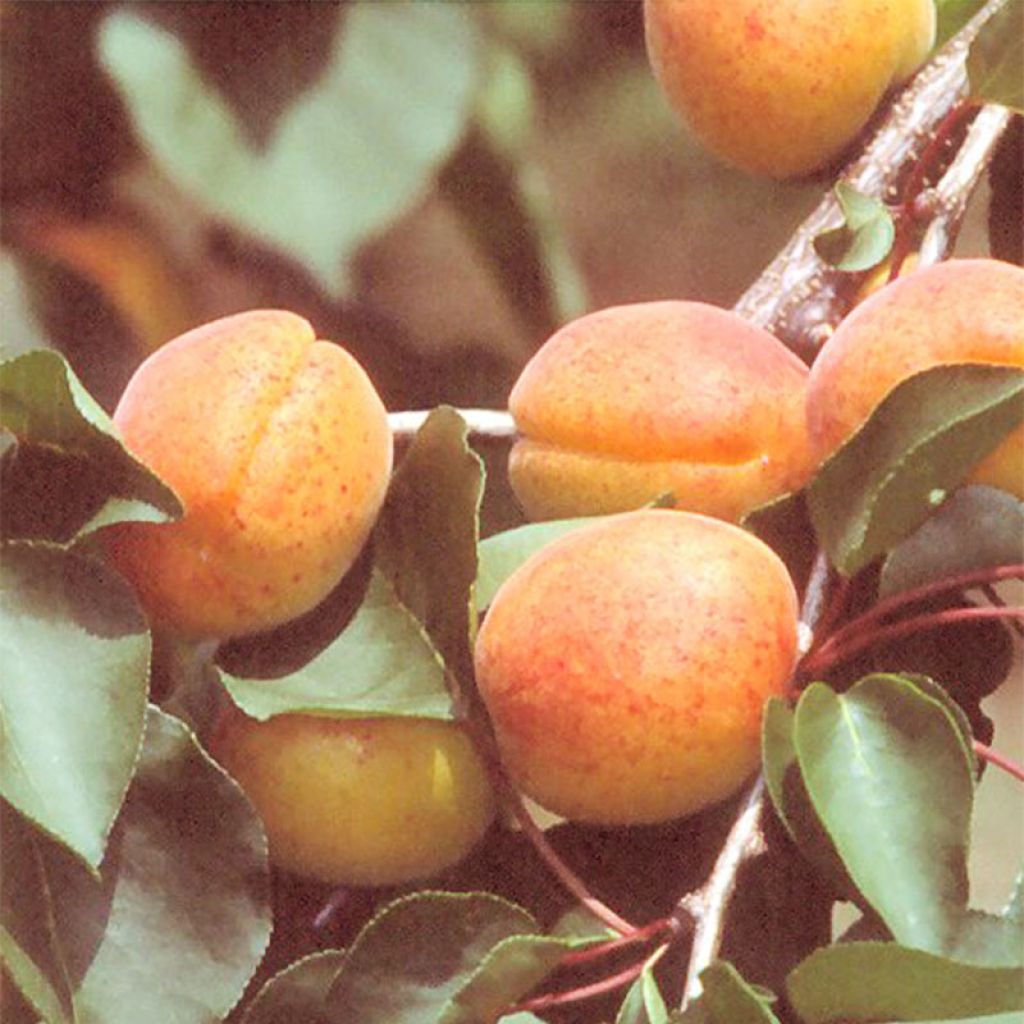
x: 437, y: 186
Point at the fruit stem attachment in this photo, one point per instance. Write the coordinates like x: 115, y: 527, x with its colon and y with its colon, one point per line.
x: 999, y: 760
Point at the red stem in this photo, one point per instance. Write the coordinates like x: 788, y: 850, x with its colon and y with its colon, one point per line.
x: 648, y: 931
x: 999, y: 760
x: 831, y: 653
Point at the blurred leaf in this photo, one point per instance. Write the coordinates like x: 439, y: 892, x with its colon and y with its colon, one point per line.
x: 178, y: 921
x: 456, y: 958
x: 349, y: 156
x: 380, y: 664
x: 644, y: 1003
x: 426, y: 535
x: 977, y: 527
x: 951, y: 16
x: 989, y: 940
x: 69, y: 474
x: 72, y: 693
x: 920, y: 443
x: 503, y: 553
x: 580, y: 925
x: 885, y: 768
x: 728, y: 999
x: 297, y: 994
x: 905, y: 984
x: 22, y: 330
x: 865, y: 237
x: 995, y: 61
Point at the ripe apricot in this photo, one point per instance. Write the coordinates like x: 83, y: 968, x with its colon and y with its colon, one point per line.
x: 961, y: 311
x: 279, y: 448
x: 629, y: 402
x: 625, y: 666
x: 782, y: 88
x: 359, y: 801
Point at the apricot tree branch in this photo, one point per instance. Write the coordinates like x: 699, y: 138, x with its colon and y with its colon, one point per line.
x: 492, y: 423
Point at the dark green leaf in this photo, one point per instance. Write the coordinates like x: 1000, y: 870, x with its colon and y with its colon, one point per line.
x: 297, y: 995
x: 344, y: 161
x: 72, y: 693
x: 873, y: 981
x: 729, y: 999
x: 380, y: 664
x: 932, y: 689
x: 919, y: 444
x: 426, y: 536
x: 503, y: 553
x: 885, y: 768
x: 441, y: 957
x: 995, y: 61
x: 952, y: 15
x: 179, y: 918
x: 976, y: 528
x: 865, y: 237
x: 644, y: 1003
x: 778, y: 754
x: 69, y: 473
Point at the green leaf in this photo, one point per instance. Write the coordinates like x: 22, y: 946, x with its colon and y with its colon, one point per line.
x: 885, y: 768
x: 69, y: 474
x: 22, y: 329
x: 951, y: 16
x: 505, y: 552
x: 976, y: 528
x: 644, y: 1003
x: 72, y: 694
x: 350, y: 155
x: 921, y: 442
x: 297, y: 994
x: 425, y: 539
x: 865, y: 237
x: 382, y: 663
x: 450, y: 958
x: 179, y: 918
x: 995, y: 65
x: 872, y: 981
x: 729, y: 999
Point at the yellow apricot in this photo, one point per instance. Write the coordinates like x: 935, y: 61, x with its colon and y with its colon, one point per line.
x: 359, y: 801
x: 625, y: 666
x: 630, y: 402
x: 782, y: 88
x: 960, y: 311
x: 279, y: 448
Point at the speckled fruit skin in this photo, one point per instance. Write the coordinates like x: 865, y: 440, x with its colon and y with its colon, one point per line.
x: 625, y: 404
x: 781, y: 88
x: 626, y: 665
x: 359, y: 801
x: 279, y: 448
x: 960, y: 311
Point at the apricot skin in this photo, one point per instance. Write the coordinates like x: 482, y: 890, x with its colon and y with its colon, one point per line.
x: 781, y: 89
x: 279, y: 448
x: 359, y: 801
x: 625, y: 404
x: 960, y: 311
x: 625, y: 666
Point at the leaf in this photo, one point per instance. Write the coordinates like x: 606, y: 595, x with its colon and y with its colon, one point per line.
x: 885, y: 768
x: 905, y: 984
x: 976, y: 528
x: 72, y: 693
x: 453, y: 958
x: 348, y: 157
x: 644, y: 1003
x: 951, y: 16
x: 380, y: 664
x: 425, y: 539
x: 22, y: 329
x: 729, y: 999
x: 865, y: 237
x: 69, y: 474
x: 297, y: 994
x: 505, y: 552
x: 175, y: 926
x: 994, y: 940
x: 995, y: 68
x: 921, y: 442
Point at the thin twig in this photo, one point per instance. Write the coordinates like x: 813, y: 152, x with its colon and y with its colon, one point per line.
x: 493, y: 423
x: 999, y: 760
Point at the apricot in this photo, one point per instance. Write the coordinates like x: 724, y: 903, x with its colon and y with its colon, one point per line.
x: 348, y: 801
x: 278, y: 447
x: 625, y: 404
x: 625, y: 666
x: 781, y: 89
x: 961, y: 311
